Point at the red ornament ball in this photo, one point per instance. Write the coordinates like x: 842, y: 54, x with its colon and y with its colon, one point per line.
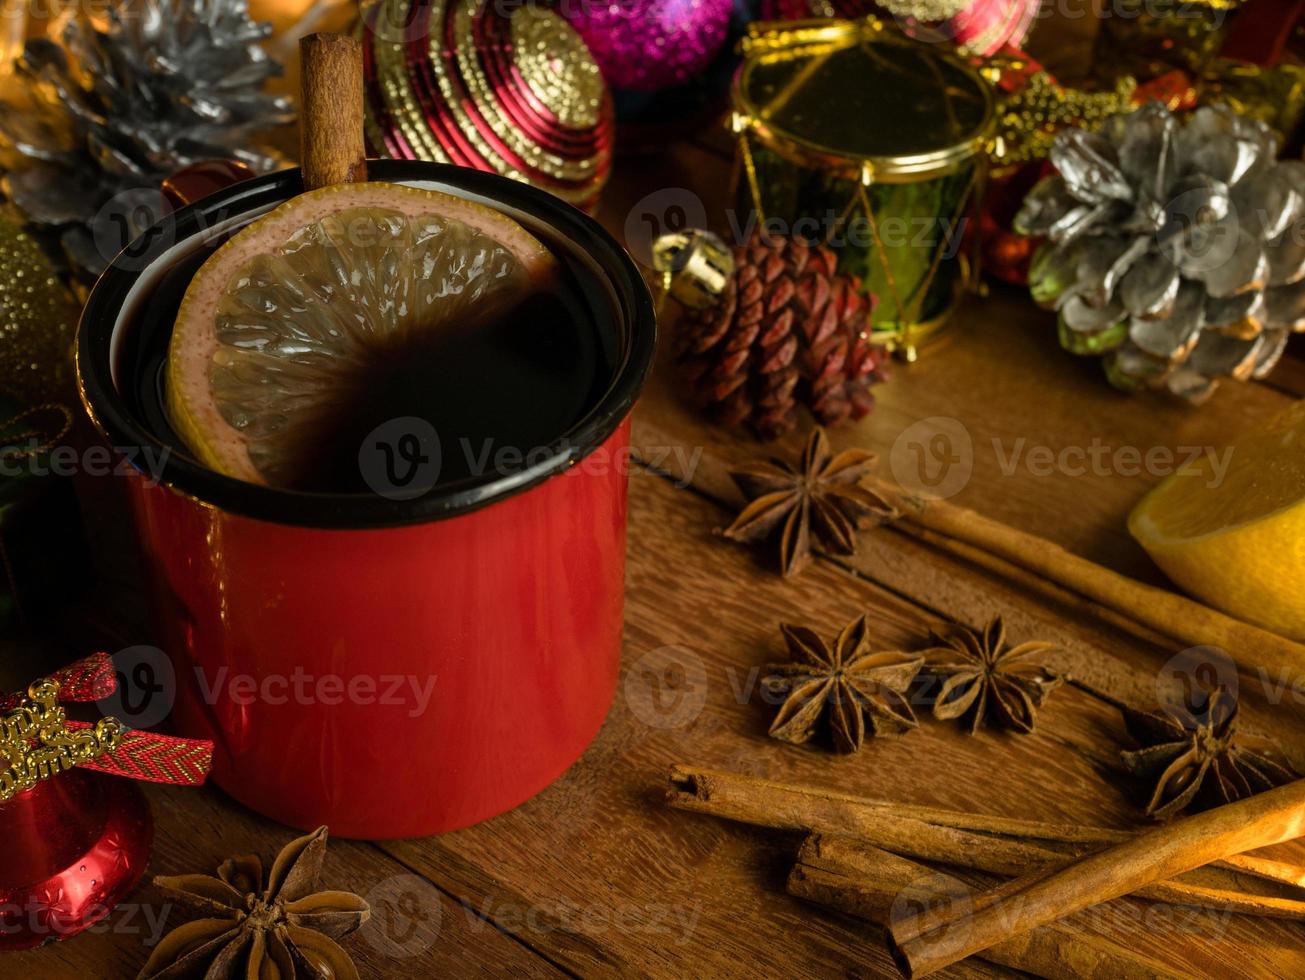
x: 74, y: 847
x: 650, y: 45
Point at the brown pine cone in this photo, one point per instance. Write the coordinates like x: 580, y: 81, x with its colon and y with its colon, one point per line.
x: 788, y: 328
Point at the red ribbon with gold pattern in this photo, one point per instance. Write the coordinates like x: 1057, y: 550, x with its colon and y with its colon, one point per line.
x: 37, y: 740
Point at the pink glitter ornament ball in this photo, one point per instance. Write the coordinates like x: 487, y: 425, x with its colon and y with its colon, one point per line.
x: 650, y: 45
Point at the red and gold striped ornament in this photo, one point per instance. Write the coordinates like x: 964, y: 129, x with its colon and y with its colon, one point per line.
x: 509, y: 90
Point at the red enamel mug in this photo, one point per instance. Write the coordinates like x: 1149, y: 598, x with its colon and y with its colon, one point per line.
x: 390, y: 666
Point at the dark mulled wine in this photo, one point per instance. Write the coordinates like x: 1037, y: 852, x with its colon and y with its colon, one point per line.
x: 492, y: 392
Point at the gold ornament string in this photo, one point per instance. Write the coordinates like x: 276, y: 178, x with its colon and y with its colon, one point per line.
x: 1029, y: 117
x: 44, y: 440
x: 741, y: 124
x: 908, y: 322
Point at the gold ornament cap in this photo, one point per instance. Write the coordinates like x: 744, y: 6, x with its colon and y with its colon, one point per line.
x: 695, y: 266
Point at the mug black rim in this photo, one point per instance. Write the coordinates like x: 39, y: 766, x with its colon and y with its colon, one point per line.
x: 109, y: 412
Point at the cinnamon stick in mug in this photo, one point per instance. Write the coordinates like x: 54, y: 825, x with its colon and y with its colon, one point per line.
x: 930, y: 941
x: 331, y: 143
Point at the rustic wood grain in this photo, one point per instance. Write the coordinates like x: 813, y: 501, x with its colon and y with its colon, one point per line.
x: 701, y: 598
x: 1111, y: 660
x: 596, y: 875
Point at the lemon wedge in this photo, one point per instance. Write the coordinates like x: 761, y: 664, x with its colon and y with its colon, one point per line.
x: 1231, y: 530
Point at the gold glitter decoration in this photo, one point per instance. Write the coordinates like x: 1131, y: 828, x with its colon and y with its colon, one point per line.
x: 393, y: 75
x: 1028, y: 119
x: 38, y: 321
x: 557, y: 66
x: 37, y: 744
x: 1275, y: 96
x: 381, y: 62
x: 925, y: 11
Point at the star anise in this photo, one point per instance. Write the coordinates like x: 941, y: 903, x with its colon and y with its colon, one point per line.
x: 852, y: 685
x: 822, y: 496
x: 1197, y: 759
x: 283, y: 931
x: 982, y: 677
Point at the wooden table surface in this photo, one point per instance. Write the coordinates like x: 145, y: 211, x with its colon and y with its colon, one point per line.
x: 597, y: 876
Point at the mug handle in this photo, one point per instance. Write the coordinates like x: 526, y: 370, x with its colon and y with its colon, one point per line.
x: 199, y: 180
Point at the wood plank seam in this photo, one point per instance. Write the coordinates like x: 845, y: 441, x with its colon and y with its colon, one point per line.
x: 487, y: 883
x: 466, y: 906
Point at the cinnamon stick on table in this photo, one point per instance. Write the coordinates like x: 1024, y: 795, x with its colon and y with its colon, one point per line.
x: 1206, y: 887
x: 1001, y: 845
x: 331, y: 143
x: 1165, y: 612
x: 930, y: 941
x: 859, y: 879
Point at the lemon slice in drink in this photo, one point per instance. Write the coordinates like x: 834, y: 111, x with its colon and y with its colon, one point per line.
x: 279, y: 324
x: 1236, y: 539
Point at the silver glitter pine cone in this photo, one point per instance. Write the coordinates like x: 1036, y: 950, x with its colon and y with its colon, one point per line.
x: 1176, y: 251
x: 105, y: 116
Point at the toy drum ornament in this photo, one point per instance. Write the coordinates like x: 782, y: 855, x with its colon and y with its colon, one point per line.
x: 852, y: 134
